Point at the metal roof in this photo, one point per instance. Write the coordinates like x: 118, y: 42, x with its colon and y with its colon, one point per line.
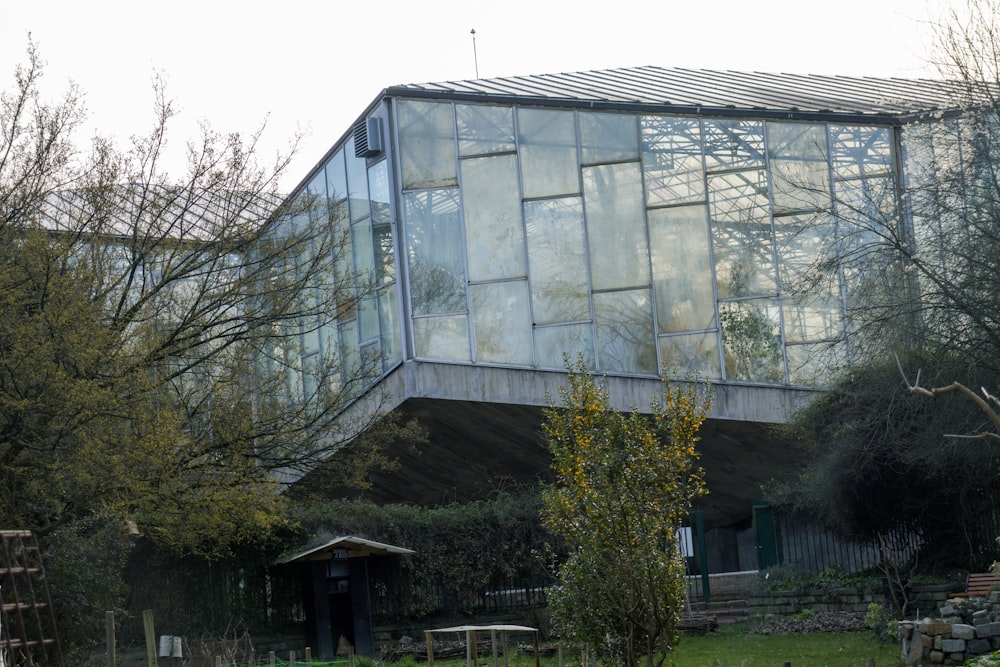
x: 709, y: 92
x: 354, y: 546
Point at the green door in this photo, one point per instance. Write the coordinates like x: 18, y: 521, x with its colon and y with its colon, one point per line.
x: 766, y: 534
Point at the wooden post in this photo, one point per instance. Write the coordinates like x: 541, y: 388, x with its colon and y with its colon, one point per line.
x: 560, y: 656
x: 147, y: 626
x: 309, y: 654
x: 271, y: 658
x: 218, y: 661
x: 350, y: 656
x: 291, y: 659
x: 109, y: 622
x: 430, y: 648
x: 871, y: 662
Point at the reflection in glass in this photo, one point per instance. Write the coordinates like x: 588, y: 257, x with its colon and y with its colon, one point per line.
x: 625, y: 338
x: 558, y: 346
x: 671, y: 160
x: 350, y: 352
x: 426, y: 144
x: 445, y: 338
x: 682, y: 268
x: 797, y: 140
x: 357, y: 183
x: 336, y: 185
x: 741, y: 234
x: 815, y: 364
x: 557, y: 258
x: 751, y: 340
x: 317, y: 197
x: 807, y: 254
x: 733, y: 144
x: 548, y: 153
x: 691, y: 355
x: 436, y: 250
x: 378, y: 187
x: 616, y: 226
x: 799, y: 185
x: 860, y: 151
x: 391, y: 333
x: 608, y: 137
x: 484, y: 129
x: 385, y: 254
x: 501, y: 322
x: 493, y: 231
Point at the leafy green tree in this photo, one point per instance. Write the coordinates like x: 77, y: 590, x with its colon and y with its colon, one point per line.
x: 624, y: 483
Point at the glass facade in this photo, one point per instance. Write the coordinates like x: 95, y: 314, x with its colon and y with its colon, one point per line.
x: 645, y: 244
x: 695, y: 246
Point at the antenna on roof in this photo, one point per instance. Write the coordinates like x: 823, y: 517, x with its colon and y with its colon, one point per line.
x: 475, y: 57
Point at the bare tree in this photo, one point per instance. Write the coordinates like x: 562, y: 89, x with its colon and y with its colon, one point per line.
x: 167, y: 345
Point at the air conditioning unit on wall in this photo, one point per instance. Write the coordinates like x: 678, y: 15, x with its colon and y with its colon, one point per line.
x: 368, y: 137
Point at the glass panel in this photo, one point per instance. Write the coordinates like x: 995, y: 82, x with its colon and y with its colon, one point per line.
x: 557, y: 260
x: 616, y: 226
x: 682, y: 268
x: 426, y: 144
x: 332, y: 358
x: 317, y: 197
x: 797, y: 140
x: 388, y: 315
x: 672, y: 162
x: 557, y: 347
x: 336, y: 185
x: 751, y: 341
x: 310, y: 335
x: 860, y: 151
x: 807, y: 254
x: 733, y: 144
x: 501, y: 322
x: 350, y: 352
x: 868, y: 207
x: 378, y: 184
x: 607, y: 137
x: 442, y: 337
x: 625, y: 337
x: 484, y: 129
x: 357, y: 183
x: 364, y: 263
x: 812, y: 317
x: 385, y: 254
x: 435, y: 247
x: 799, y: 185
x: 741, y: 234
x: 690, y: 355
x: 815, y: 365
x: 371, y: 360
x: 493, y: 230
x: 548, y: 153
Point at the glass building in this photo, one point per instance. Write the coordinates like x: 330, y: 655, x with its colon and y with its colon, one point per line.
x: 651, y: 221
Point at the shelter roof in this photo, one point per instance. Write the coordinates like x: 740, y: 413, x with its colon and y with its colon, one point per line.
x: 354, y: 546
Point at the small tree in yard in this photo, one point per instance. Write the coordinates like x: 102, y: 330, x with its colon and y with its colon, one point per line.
x: 624, y: 483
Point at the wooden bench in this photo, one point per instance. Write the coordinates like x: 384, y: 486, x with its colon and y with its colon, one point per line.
x: 978, y: 585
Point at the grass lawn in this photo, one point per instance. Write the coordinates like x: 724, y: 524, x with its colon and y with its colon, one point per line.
x: 730, y: 646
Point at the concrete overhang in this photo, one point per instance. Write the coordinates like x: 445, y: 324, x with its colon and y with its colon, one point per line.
x: 484, y: 434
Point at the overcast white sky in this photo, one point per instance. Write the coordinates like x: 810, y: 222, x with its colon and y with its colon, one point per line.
x: 316, y: 65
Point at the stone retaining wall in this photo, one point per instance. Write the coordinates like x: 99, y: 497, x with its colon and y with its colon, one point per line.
x: 963, y: 628
x: 771, y: 604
